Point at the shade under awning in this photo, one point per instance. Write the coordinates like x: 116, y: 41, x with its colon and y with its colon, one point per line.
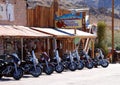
x: 20, y: 31
x: 54, y: 32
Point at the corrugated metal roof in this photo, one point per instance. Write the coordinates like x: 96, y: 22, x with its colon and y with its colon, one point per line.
x: 65, y: 32
x: 20, y: 31
x: 80, y: 33
x: 54, y: 32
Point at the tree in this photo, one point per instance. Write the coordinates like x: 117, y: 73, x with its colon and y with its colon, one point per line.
x: 101, y: 37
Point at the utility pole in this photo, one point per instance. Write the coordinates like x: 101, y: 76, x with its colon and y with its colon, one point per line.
x: 112, y: 29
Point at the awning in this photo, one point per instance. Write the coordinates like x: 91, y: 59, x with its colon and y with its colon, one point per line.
x: 65, y: 32
x: 20, y: 31
x: 55, y: 32
x: 79, y: 33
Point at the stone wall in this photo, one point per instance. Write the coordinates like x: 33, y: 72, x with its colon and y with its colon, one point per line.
x: 19, y: 13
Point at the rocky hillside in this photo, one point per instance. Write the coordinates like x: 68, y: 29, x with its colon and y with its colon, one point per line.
x: 97, y: 7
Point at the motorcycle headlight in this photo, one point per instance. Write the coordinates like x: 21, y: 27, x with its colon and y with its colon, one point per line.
x: 19, y: 62
x: 6, y: 62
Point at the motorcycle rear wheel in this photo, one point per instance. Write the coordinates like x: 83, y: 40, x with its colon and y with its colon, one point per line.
x: 1, y: 76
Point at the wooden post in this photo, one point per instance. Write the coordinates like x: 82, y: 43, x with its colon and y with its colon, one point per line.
x: 112, y: 29
x: 74, y: 29
x: 48, y: 46
x: 55, y: 43
x: 21, y: 49
x: 55, y: 10
x: 92, y: 41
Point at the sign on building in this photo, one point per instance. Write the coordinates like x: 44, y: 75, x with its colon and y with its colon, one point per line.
x: 69, y: 21
x: 7, y: 12
x: 3, y: 12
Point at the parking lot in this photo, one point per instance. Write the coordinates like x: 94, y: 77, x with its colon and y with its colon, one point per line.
x: 95, y: 76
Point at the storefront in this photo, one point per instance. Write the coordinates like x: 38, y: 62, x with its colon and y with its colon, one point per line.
x: 16, y: 38
x: 65, y: 39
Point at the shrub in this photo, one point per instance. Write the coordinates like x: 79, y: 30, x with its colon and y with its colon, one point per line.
x: 101, y: 37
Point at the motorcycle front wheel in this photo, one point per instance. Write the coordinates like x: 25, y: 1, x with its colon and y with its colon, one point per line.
x: 49, y: 70
x: 18, y: 75
x: 59, y: 68
x: 36, y: 72
x: 105, y: 64
x: 80, y: 66
x: 89, y: 65
x: 72, y: 66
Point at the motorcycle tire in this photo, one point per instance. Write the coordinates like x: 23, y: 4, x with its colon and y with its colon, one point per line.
x: 80, y: 66
x: 72, y: 66
x: 105, y: 64
x: 65, y: 64
x: 59, y: 68
x: 0, y: 76
x: 37, y: 72
x: 18, y: 75
x: 49, y: 70
x: 89, y: 65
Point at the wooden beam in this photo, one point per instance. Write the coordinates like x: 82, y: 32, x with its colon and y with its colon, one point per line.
x: 92, y: 42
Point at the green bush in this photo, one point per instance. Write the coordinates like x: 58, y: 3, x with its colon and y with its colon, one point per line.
x: 101, y: 37
x: 118, y: 47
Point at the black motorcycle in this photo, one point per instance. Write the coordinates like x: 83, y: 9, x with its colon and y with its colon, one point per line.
x: 69, y: 62
x: 45, y: 63
x: 79, y: 62
x: 31, y: 66
x: 10, y: 67
x: 56, y: 61
x: 99, y: 60
x: 87, y: 60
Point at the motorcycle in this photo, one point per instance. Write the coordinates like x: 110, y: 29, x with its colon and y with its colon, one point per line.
x: 88, y: 62
x: 44, y: 61
x: 80, y: 64
x: 10, y: 67
x: 30, y: 65
x: 100, y: 60
x: 56, y: 61
x: 69, y: 62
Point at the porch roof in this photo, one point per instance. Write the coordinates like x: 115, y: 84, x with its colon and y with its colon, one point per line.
x: 20, y: 31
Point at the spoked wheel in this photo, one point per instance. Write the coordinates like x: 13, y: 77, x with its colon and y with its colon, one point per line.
x: 0, y: 76
x: 49, y: 70
x: 17, y: 75
x: 105, y: 64
x: 72, y: 66
x: 59, y: 68
x: 89, y: 65
x: 36, y: 72
x: 65, y: 64
x: 80, y: 66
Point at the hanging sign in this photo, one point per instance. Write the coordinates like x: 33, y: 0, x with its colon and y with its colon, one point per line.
x: 72, y: 23
x: 69, y: 21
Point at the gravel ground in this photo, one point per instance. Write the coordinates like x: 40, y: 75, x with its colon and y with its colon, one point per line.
x: 95, y: 76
